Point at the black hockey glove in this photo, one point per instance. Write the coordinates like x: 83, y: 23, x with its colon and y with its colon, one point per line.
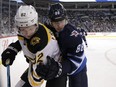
x: 8, y: 57
x: 49, y: 71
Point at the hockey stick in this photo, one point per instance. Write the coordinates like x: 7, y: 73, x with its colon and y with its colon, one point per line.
x: 8, y: 73
x: 8, y: 76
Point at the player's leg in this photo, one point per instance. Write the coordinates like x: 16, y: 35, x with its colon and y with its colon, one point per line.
x: 84, y: 38
x: 80, y: 80
x: 22, y: 83
x: 24, y: 80
x: 57, y: 82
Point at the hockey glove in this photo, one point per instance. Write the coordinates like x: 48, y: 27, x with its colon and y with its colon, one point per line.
x: 49, y: 71
x: 8, y: 57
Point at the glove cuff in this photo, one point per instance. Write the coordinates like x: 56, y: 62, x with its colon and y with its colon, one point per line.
x: 59, y: 71
x: 14, y: 49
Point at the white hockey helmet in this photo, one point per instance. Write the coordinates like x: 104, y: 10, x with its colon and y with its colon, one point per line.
x: 26, y: 16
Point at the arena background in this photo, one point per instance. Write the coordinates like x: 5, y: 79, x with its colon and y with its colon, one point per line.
x: 93, y: 16
x: 97, y: 18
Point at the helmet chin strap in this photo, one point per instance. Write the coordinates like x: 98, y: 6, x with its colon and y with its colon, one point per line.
x: 66, y: 22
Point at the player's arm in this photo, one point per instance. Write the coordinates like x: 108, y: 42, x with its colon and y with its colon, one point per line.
x: 85, y: 32
x: 53, y: 69
x: 8, y: 55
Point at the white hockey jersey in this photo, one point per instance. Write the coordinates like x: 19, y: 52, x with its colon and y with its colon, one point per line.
x: 36, y: 49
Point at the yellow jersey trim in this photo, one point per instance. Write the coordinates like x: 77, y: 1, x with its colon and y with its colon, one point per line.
x: 0, y: 61
x: 20, y: 38
x: 34, y: 83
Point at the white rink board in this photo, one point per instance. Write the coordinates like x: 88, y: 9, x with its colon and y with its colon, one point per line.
x: 101, y: 63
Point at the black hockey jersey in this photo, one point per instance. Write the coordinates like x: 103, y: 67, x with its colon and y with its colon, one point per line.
x: 71, y: 46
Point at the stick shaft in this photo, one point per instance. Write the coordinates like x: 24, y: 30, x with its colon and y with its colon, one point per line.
x: 8, y: 76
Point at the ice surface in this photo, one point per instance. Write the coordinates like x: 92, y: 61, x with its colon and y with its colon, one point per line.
x: 101, y: 64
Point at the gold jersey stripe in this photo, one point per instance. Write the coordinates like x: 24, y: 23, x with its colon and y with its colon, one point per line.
x: 20, y: 38
x: 35, y: 75
x: 35, y: 83
x: 0, y: 61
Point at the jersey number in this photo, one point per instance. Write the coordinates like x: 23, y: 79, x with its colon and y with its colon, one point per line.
x: 39, y: 58
x: 80, y: 48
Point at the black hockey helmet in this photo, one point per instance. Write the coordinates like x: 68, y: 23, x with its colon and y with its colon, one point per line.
x: 57, y: 12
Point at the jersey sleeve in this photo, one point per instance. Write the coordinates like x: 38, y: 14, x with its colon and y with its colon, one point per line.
x: 69, y: 41
x: 72, y: 48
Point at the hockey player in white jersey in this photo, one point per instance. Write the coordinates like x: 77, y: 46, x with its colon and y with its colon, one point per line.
x: 36, y: 41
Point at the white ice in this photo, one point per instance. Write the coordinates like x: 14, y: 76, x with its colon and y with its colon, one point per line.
x: 101, y: 55
x: 101, y: 64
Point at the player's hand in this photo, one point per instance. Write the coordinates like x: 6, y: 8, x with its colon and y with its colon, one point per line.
x: 51, y: 70
x: 8, y: 57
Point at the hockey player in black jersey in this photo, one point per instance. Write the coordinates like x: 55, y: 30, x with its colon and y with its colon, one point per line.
x: 37, y: 42
x: 83, y: 33
x: 72, y: 49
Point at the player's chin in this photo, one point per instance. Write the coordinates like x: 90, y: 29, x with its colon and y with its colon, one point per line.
x: 28, y: 37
